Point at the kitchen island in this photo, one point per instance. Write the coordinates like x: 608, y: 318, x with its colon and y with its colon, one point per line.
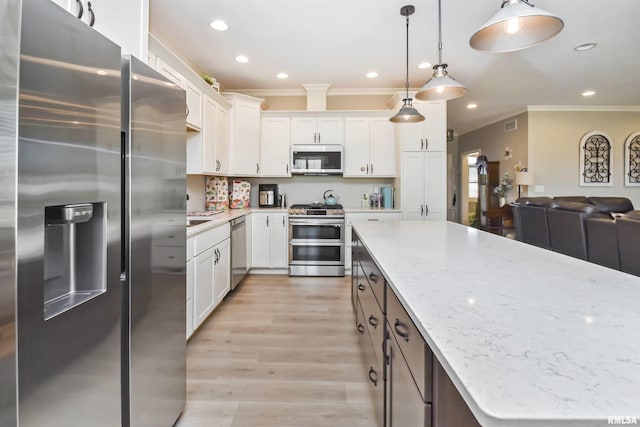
x: 528, y: 337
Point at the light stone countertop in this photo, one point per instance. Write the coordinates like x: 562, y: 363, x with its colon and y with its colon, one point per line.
x: 224, y: 217
x: 354, y: 209
x: 529, y: 337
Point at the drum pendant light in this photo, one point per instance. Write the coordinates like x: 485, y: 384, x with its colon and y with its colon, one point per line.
x: 407, y: 114
x: 517, y: 25
x: 441, y: 86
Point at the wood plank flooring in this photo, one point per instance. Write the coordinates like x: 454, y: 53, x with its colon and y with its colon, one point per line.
x: 279, y: 351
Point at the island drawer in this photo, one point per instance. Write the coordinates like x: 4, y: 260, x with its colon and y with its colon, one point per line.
x: 373, y: 318
x: 373, y: 369
x: 404, y: 402
x: 374, y: 277
x: 413, y: 347
x: 211, y: 237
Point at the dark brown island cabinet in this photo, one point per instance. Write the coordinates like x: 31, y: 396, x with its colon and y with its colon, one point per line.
x: 408, y: 384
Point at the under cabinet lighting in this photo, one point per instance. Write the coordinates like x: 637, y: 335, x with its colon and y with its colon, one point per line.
x: 588, y: 93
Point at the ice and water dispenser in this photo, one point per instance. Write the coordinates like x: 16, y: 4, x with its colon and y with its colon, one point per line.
x: 75, y: 255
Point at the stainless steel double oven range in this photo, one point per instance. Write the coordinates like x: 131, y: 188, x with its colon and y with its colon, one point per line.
x: 316, y: 240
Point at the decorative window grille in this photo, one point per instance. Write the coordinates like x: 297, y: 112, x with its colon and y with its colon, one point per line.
x: 632, y: 160
x: 595, y: 160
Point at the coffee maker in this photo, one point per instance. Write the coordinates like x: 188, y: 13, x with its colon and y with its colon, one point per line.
x: 268, y: 195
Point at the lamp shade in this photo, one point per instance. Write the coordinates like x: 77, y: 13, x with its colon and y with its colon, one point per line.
x: 525, y: 178
x: 407, y: 114
x: 441, y: 86
x: 517, y: 25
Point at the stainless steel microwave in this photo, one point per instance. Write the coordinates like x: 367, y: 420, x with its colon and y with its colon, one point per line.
x: 316, y: 159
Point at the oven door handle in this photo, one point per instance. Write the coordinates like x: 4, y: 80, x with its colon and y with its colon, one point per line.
x: 338, y: 223
x: 316, y: 243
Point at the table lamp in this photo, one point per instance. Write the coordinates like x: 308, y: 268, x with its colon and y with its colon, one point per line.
x: 524, y: 177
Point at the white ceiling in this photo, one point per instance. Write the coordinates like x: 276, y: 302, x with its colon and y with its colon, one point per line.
x: 339, y: 41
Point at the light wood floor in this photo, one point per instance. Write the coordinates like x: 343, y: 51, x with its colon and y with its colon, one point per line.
x: 279, y: 351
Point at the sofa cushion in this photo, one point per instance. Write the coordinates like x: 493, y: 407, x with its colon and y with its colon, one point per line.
x: 579, y: 199
x: 536, y: 201
x: 611, y: 204
x: 574, y: 206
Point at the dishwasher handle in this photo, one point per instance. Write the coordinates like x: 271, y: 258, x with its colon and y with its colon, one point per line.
x: 237, y: 221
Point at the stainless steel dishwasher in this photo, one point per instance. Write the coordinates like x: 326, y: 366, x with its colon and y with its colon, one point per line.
x: 238, y: 251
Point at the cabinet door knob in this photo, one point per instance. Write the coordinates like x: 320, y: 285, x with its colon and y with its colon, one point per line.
x: 360, y: 329
x: 373, y: 321
x: 373, y: 277
x: 361, y: 287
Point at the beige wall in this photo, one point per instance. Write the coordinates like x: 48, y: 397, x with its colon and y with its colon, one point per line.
x: 334, y: 102
x: 554, y: 139
x: 492, y: 141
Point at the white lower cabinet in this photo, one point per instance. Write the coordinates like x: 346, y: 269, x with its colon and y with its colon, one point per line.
x: 189, y: 298
x: 211, y: 274
x: 424, y: 185
x: 269, y: 240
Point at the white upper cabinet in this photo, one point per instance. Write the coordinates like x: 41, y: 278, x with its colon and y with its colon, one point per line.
x: 207, y: 150
x: 369, y: 147
x: 244, y: 135
x: 317, y: 130
x: 125, y: 22
x: 193, y: 109
x: 274, y: 146
x: 430, y: 134
x: 424, y: 185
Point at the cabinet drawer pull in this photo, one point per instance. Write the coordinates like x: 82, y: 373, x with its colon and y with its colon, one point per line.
x: 401, y: 329
x: 373, y: 277
x: 373, y: 321
x: 361, y: 287
x: 385, y: 354
x: 93, y: 15
x: 373, y: 219
x: 360, y: 328
x: 373, y: 377
x: 80, y: 9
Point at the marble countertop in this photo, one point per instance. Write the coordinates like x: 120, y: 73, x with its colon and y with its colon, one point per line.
x: 354, y: 209
x: 223, y: 217
x: 529, y: 337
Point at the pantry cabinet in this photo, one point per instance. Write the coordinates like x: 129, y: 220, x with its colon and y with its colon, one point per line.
x: 269, y: 240
x: 370, y: 148
x: 275, y: 147
x: 430, y: 134
x: 424, y: 185
x: 317, y: 130
x: 244, y: 135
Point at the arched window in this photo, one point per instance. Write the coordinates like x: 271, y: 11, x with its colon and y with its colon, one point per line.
x: 595, y: 159
x: 632, y: 160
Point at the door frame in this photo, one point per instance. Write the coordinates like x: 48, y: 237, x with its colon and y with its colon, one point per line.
x: 464, y: 184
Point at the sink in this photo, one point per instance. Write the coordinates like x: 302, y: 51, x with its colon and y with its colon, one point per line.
x: 192, y: 222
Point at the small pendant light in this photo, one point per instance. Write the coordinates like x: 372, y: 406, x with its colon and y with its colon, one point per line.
x: 407, y: 114
x: 517, y: 25
x: 441, y: 86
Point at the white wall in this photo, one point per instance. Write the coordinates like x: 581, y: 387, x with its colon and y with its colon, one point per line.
x: 554, y: 138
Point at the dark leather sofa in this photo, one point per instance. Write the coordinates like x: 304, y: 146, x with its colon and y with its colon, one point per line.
x: 597, y: 229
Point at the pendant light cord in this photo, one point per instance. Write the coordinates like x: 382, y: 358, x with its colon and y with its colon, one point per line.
x: 439, y: 32
x: 407, y: 79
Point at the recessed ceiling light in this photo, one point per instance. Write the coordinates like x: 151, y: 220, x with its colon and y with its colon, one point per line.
x: 372, y: 74
x: 242, y: 58
x: 219, y: 25
x: 282, y: 75
x: 424, y: 65
x: 472, y: 106
x: 588, y: 93
x: 101, y: 72
x: 585, y: 46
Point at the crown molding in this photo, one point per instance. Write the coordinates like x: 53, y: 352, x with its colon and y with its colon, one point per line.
x: 331, y: 92
x: 630, y: 108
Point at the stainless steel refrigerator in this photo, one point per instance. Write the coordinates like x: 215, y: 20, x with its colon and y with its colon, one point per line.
x: 92, y: 235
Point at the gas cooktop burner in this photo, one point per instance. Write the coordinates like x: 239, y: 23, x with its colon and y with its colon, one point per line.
x: 316, y: 209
